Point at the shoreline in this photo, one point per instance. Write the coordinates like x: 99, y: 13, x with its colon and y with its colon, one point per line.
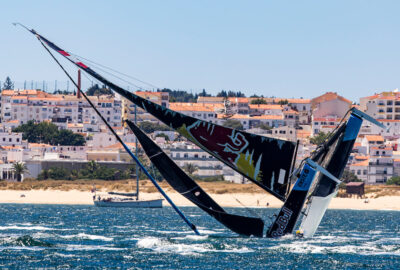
x: 241, y: 200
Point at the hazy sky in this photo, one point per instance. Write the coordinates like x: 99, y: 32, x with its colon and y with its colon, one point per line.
x: 271, y: 48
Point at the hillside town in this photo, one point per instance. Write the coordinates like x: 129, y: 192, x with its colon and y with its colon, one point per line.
x: 375, y: 158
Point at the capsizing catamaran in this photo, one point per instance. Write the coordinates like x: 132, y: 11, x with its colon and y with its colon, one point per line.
x: 267, y: 162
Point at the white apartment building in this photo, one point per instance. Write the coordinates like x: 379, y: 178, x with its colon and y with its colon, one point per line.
x: 385, y: 105
x: 128, y: 112
x: 380, y: 165
x: 25, y: 105
x: 207, y: 165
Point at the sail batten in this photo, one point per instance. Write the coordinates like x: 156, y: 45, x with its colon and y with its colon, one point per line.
x: 258, y: 158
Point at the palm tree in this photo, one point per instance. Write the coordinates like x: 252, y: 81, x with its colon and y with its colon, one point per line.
x: 190, y: 168
x: 19, y: 169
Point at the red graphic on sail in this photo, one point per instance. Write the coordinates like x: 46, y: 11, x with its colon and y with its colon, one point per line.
x: 226, y: 143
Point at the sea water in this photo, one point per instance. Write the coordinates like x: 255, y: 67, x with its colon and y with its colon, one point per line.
x: 87, y: 237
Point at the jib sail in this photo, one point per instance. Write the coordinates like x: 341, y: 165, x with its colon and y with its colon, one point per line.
x: 265, y: 161
x: 182, y: 183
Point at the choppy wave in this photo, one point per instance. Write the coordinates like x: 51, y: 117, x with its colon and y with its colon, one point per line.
x: 91, y: 247
x: 165, y: 246
x: 28, y: 228
x: 87, y: 236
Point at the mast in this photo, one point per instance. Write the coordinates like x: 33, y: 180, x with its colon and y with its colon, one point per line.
x: 179, y: 212
x: 264, y: 161
x: 136, y: 154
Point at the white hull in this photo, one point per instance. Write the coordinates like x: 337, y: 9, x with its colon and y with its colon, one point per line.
x: 130, y: 203
x: 315, y: 211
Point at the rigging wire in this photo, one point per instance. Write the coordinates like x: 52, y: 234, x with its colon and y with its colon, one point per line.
x: 191, y: 225
x: 116, y: 71
x: 126, y: 81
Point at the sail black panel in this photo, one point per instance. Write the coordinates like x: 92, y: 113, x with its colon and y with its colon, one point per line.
x: 182, y: 183
x: 265, y: 161
x: 287, y: 217
x: 337, y: 156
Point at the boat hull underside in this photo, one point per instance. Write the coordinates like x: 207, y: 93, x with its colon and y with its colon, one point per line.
x: 315, y: 212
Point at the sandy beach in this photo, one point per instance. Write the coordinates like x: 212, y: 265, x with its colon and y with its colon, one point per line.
x: 227, y: 200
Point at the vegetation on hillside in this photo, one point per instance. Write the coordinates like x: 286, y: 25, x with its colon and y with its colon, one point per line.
x: 45, y: 132
x: 230, y: 93
x: 258, y: 101
x: 8, y: 84
x: 95, y: 90
x: 92, y: 170
x: 395, y: 180
x: 179, y: 95
x: 319, y: 138
x: 232, y: 123
x: 150, y: 127
x: 264, y: 126
x: 348, y: 176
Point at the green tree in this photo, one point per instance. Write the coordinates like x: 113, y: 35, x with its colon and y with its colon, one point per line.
x: 264, y: 126
x: 258, y: 101
x: 231, y: 123
x: 19, y: 169
x: 95, y: 90
x: 48, y: 133
x: 8, y: 84
x: 43, y: 175
x: 67, y: 137
x: 283, y: 102
x: 163, y: 135
x: 150, y: 127
x: 179, y: 95
x: 190, y: 168
x: 222, y: 93
x: 204, y: 94
x: 57, y: 173
x: 348, y: 176
x: 395, y: 180
x: 319, y: 138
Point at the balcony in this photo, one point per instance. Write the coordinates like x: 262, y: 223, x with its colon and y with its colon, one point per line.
x: 381, y: 164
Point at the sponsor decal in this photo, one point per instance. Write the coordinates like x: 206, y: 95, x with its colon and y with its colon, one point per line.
x: 305, y: 179
x: 282, y: 222
x: 227, y: 143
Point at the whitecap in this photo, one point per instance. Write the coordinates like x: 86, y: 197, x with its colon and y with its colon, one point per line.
x: 32, y: 228
x: 87, y: 236
x: 87, y: 247
x: 164, y: 246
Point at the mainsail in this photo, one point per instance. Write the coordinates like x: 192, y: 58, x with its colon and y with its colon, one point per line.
x: 265, y: 161
x: 333, y: 156
x: 182, y: 183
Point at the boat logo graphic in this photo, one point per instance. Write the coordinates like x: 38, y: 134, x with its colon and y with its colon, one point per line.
x: 228, y: 144
x: 282, y: 222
